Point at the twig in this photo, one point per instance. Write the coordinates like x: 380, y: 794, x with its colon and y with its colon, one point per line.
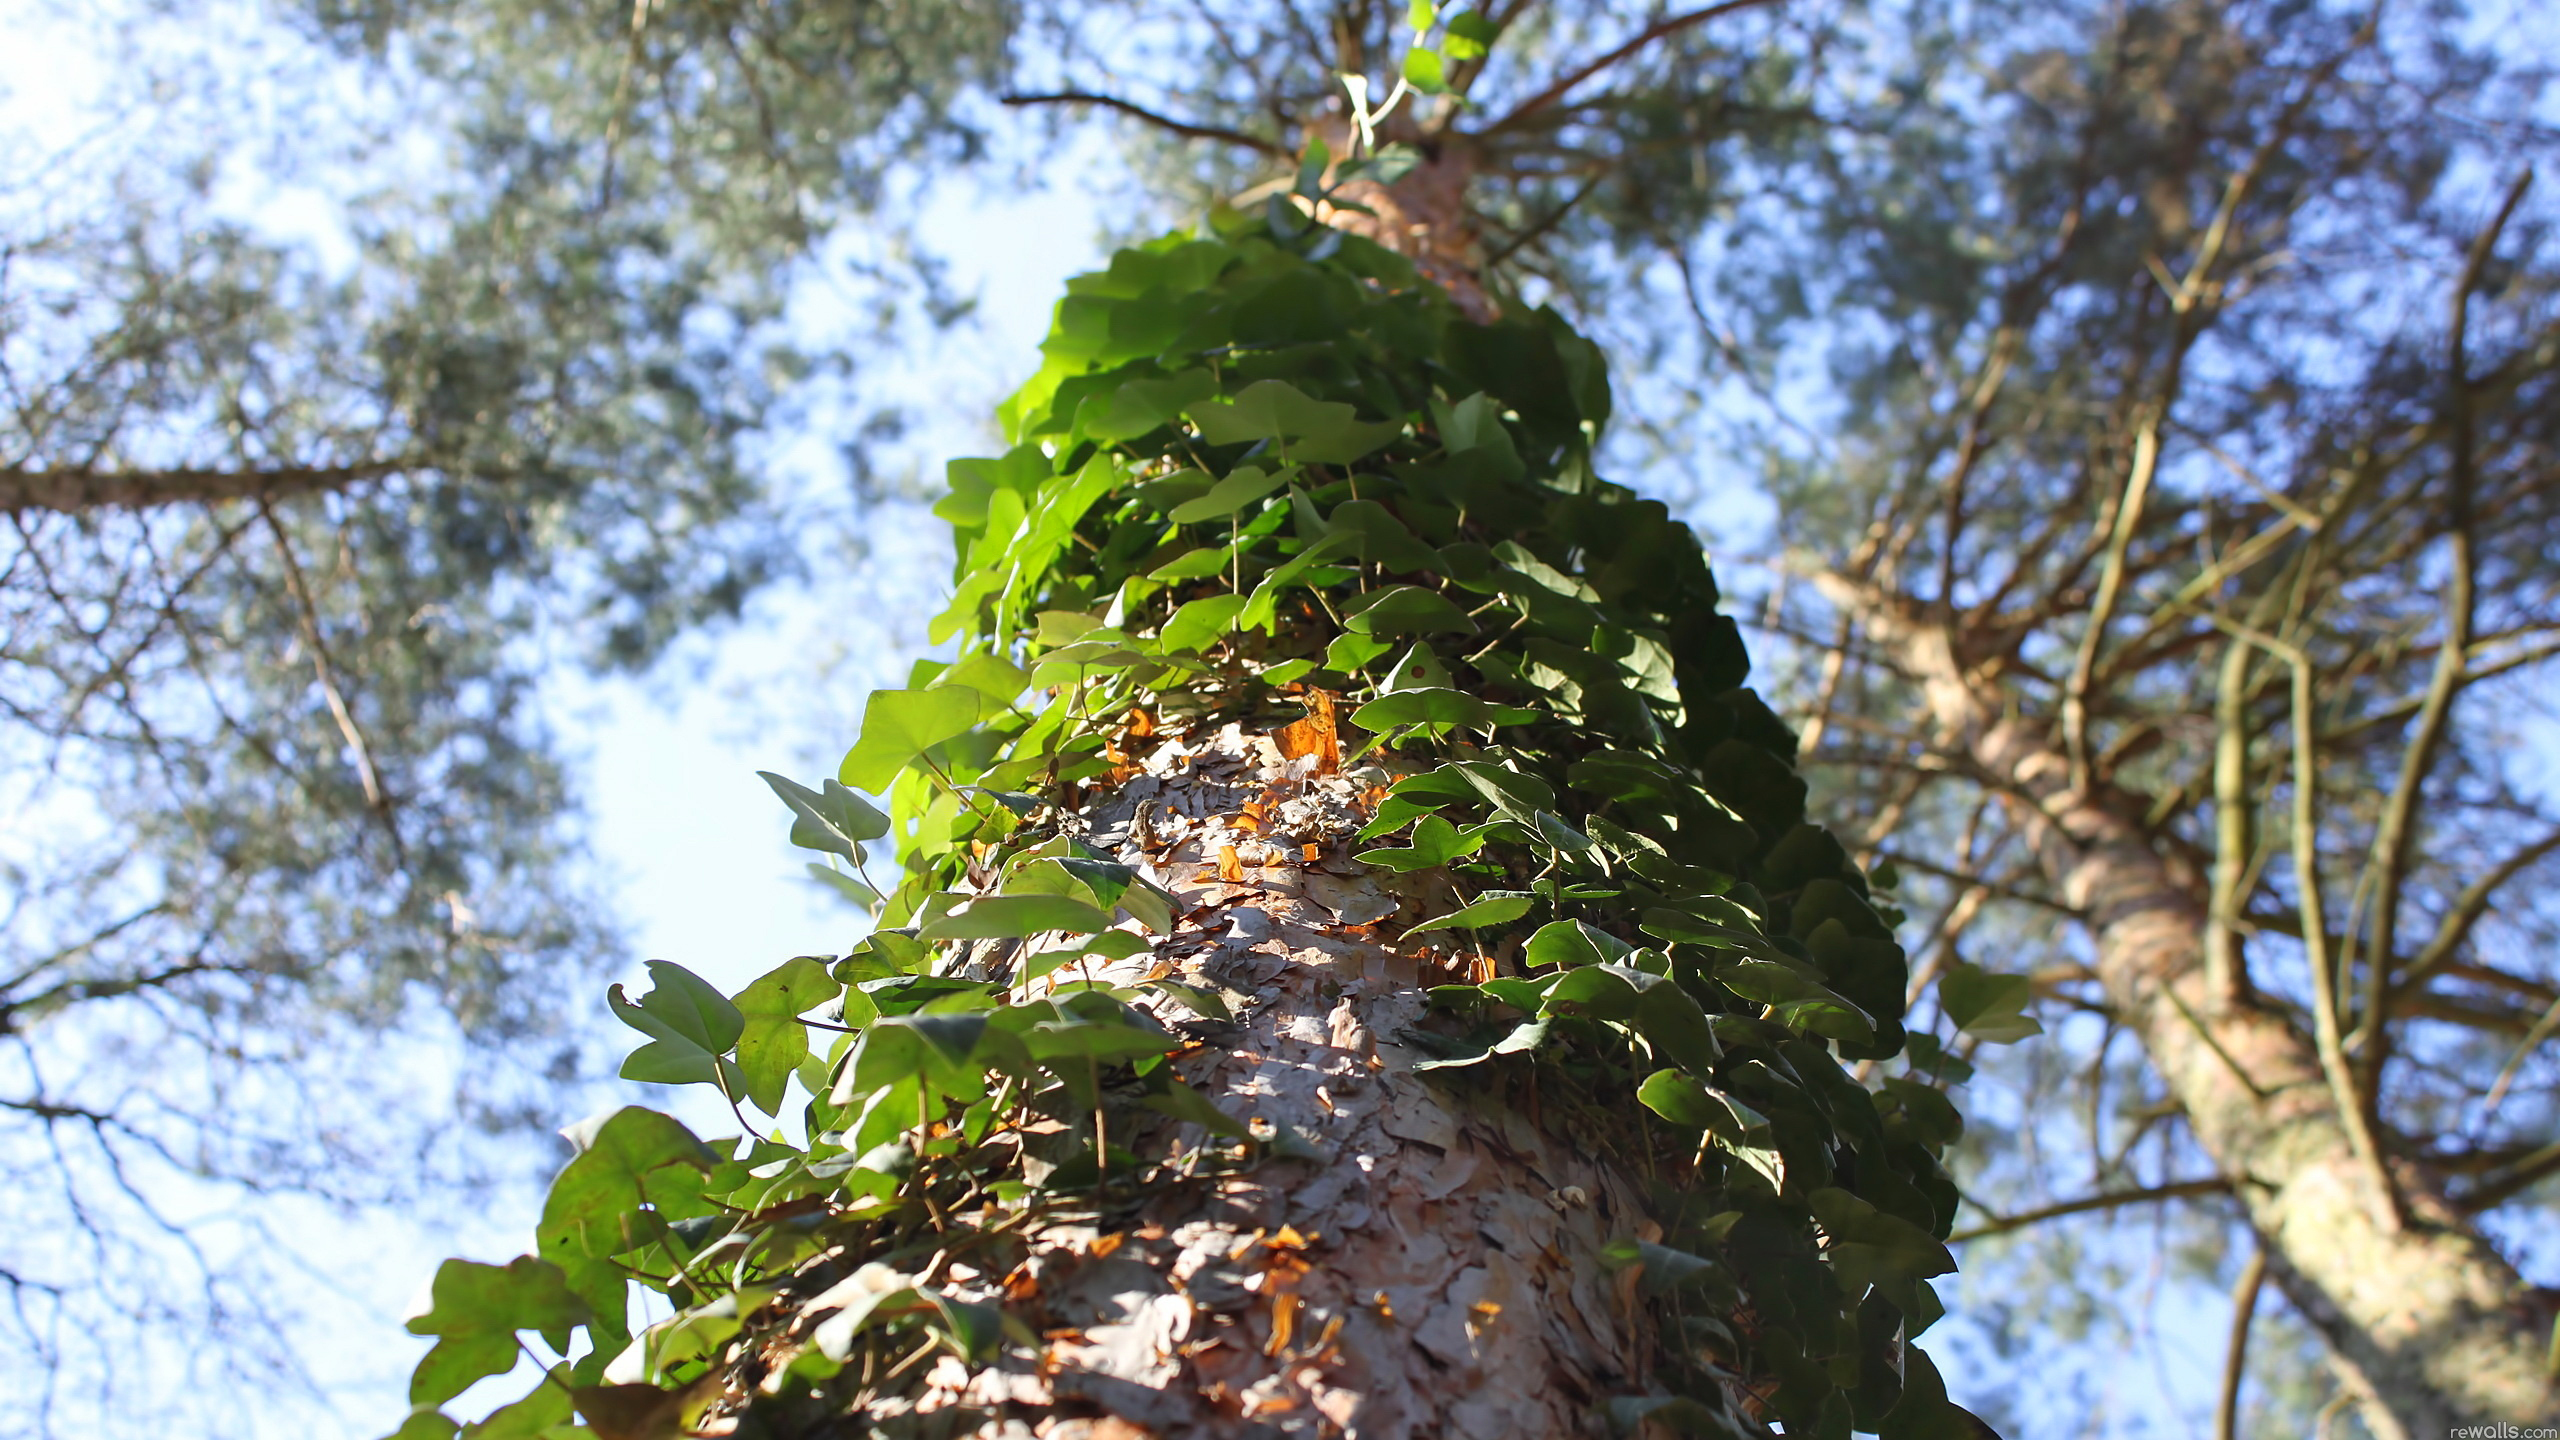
x: 1643, y: 38
x: 2235, y: 1355
x: 2175, y: 1190
x: 1183, y: 128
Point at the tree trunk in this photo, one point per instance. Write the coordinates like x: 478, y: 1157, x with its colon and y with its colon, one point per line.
x: 1417, y: 1266
x: 2430, y: 1320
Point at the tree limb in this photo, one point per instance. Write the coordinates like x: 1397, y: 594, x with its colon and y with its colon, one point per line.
x: 1643, y: 38
x: 1183, y: 128
x: 76, y: 489
x: 2175, y: 1190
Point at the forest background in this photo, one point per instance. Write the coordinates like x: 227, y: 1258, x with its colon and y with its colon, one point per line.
x: 278, y: 1177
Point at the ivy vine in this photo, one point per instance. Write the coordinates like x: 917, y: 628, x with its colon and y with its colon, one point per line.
x: 1267, y: 475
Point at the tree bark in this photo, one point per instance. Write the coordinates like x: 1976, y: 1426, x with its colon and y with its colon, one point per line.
x: 2427, y: 1316
x: 73, y: 491
x: 1416, y: 1265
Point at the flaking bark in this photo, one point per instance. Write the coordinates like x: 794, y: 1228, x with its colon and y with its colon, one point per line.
x: 1412, y: 1263
x: 2429, y: 1319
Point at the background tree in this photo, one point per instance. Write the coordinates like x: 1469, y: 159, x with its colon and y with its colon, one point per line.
x: 293, y: 534
x: 2173, y: 576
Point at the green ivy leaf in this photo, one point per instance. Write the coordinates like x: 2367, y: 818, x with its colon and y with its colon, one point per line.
x: 1423, y: 71
x: 1685, y: 1101
x: 849, y: 886
x: 1008, y: 917
x: 1419, y: 669
x: 1572, y: 943
x: 1141, y: 406
x: 425, y: 1422
x: 1309, y: 431
x: 534, y: 1416
x: 1436, y: 842
x: 1471, y: 35
x: 1452, y: 708
x: 475, y: 1311
x: 1988, y: 1006
x: 632, y: 1168
x: 833, y: 819
x: 1201, y: 623
x: 1381, y: 538
x: 991, y: 675
x: 1351, y: 653
x: 900, y: 725
x: 773, y: 1042
x: 1498, y: 907
x: 1405, y: 610
x: 1246, y: 485
x: 691, y: 1026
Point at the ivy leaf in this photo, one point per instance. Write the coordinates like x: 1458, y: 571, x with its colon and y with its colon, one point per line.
x: 1318, y: 432
x: 1381, y: 538
x: 1351, y: 654
x: 991, y: 675
x: 476, y: 1310
x: 832, y: 819
x: 691, y: 1026
x: 849, y: 886
x: 900, y: 725
x: 1184, y: 1103
x: 1555, y: 832
x: 1423, y: 71
x: 1401, y: 610
x: 774, y: 1042
x: 1870, y: 1247
x: 1498, y: 907
x: 1201, y: 623
x: 1454, y: 708
x: 1141, y: 406
x: 1009, y: 917
x: 1800, y: 1000
x: 1684, y: 1101
x: 1207, y: 1004
x: 1571, y: 943
x: 534, y: 1416
x: 1419, y: 669
x: 895, y: 1048
x: 1436, y: 842
x: 425, y: 1422
x: 633, y: 1163
x: 1471, y: 35
x: 1986, y: 1005
x: 1247, y: 484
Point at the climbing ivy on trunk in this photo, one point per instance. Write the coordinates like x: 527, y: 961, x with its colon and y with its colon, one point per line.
x: 1268, y: 476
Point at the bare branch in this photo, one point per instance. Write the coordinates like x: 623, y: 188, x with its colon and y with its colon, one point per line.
x: 73, y: 490
x: 1651, y: 33
x: 2176, y: 1190
x: 1183, y: 128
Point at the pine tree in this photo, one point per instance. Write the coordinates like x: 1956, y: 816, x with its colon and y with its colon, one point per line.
x: 1357, y: 960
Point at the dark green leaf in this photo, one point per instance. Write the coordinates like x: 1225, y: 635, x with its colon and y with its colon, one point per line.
x: 1436, y: 842
x: 1497, y: 908
x: 1403, y: 610
x: 1988, y: 1006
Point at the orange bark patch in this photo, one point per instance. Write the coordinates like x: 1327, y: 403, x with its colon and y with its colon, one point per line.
x: 1284, y: 1322
x: 1315, y: 735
